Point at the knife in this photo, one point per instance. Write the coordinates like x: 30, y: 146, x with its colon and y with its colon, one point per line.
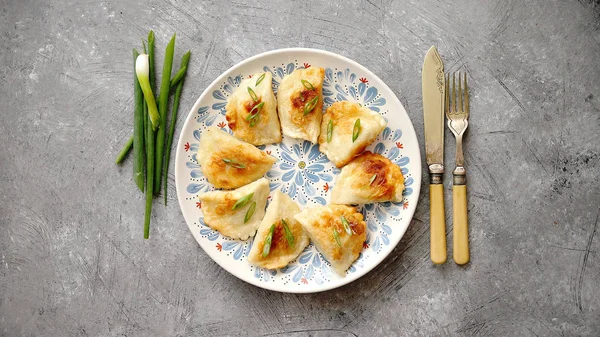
x: 433, y: 117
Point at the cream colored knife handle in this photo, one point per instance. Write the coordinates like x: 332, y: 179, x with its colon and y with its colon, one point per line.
x: 460, y: 241
x: 437, y: 223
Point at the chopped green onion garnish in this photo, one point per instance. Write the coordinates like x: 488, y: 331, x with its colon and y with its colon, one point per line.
x: 262, y: 77
x: 310, y: 105
x: 258, y: 107
x: 329, y: 130
x: 336, y: 236
x: 242, y: 201
x: 252, y: 94
x: 250, y: 211
x: 253, y: 116
x: 373, y: 178
x: 346, y: 225
x: 307, y: 85
x: 234, y: 163
x: 356, y: 130
x: 288, y: 233
x: 268, y: 239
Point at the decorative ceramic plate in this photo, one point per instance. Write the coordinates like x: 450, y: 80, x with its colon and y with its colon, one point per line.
x: 301, y: 171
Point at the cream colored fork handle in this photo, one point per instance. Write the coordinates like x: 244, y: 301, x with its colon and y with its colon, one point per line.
x: 460, y: 157
x: 460, y: 238
x: 437, y: 230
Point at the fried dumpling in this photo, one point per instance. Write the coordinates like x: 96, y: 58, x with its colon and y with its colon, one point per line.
x: 228, y: 162
x: 288, y: 239
x: 300, y: 103
x: 337, y: 231
x: 236, y: 213
x: 368, y: 178
x: 342, y: 137
x: 252, y: 111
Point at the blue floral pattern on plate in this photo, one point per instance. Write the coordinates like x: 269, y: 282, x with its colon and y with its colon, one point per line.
x: 304, y: 173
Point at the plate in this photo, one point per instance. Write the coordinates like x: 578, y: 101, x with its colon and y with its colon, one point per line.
x: 301, y: 171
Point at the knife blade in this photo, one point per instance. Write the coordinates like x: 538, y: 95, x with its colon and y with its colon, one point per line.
x: 433, y: 87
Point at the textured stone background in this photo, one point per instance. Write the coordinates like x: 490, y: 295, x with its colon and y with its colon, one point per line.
x: 73, y: 261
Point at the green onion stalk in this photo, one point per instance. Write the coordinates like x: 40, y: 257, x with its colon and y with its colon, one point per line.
x: 184, y: 62
x: 124, y: 151
x: 163, y: 107
x: 138, y: 130
x: 179, y: 75
x: 142, y: 71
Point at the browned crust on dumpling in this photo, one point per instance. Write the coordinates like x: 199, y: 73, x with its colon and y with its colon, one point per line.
x: 357, y: 225
x: 223, y: 175
x: 279, y: 241
x: 266, y: 127
x: 226, y: 206
x: 293, y: 95
x: 233, y: 114
x: 320, y: 227
x: 299, y: 100
x: 281, y: 208
x: 388, y: 175
x: 338, y: 111
x: 219, y: 215
x: 344, y: 115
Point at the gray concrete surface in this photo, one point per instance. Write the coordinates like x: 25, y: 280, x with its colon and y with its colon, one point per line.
x: 72, y: 258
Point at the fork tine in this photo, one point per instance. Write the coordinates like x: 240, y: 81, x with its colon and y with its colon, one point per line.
x: 460, y: 94
x: 453, y: 94
x: 447, y: 94
x: 466, y: 95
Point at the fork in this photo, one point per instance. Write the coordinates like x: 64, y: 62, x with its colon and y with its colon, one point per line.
x: 458, y: 122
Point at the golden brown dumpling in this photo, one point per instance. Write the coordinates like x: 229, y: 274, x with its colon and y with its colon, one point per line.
x: 264, y: 127
x: 241, y: 222
x: 341, y: 118
x: 338, y: 243
x: 228, y: 162
x: 296, y: 92
x: 280, y: 253
x: 368, y: 178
